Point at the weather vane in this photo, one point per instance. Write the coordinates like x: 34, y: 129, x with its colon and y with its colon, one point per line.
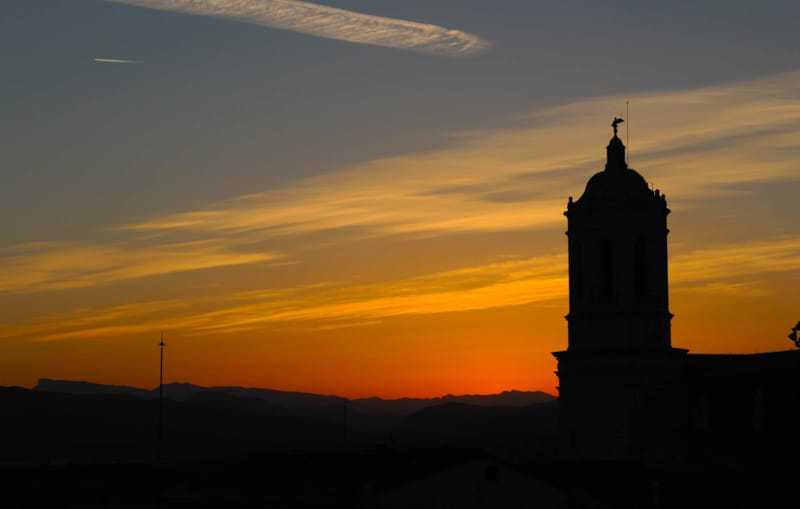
x: 617, y: 121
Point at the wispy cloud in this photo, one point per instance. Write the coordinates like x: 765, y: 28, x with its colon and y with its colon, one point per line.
x: 500, y: 180
x: 726, y: 270
x: 500, y: 284
x: 695, y: 143
x: 115, y: 61
x: 732, y: 264
x: 57, y: 266
x: 331, y: 23
x: 93, y: 319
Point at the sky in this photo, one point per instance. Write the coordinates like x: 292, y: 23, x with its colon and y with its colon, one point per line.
x: 366, y: 197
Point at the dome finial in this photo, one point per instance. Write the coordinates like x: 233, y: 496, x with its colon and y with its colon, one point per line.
x: 617, y: 121
x: 616, y: 150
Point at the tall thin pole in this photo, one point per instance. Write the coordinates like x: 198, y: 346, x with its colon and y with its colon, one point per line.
x: 161, y: 346
x: 628, y: 131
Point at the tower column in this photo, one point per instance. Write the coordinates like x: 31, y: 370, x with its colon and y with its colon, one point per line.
x: 621, y: 383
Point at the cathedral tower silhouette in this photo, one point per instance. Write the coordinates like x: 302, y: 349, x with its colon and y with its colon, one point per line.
x: 619, y: 292
x: 621, y: 383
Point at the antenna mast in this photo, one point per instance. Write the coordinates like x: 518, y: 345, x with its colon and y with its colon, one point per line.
x: 628, y: 131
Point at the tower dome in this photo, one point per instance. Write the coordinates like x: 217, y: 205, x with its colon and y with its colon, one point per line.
x: 617, y: 186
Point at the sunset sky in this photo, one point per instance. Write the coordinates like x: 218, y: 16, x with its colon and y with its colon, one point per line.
x: 366, y: 197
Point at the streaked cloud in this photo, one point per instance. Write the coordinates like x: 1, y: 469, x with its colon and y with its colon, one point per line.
x: 485, y: 181
x: 695, y: 143
x: 57, y: 266
x: 87, y: 319
x: 737, y: 264
x: 115, y: 61
x: 331, y: 23
x: 724, y: 270
x: 500, y: 284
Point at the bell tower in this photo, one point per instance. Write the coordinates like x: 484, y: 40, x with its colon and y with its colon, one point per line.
x: 622, y: 387
x: 619, y: 289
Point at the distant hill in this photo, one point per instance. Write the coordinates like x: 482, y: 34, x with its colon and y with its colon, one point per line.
x: 186, y: 391
x: 88, y: 388
x: 408, y: 406
x: 111, y: 421
x: 54, y: 421
x: 300, y: 400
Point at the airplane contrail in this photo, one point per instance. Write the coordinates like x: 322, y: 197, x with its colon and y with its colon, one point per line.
x: 331, y: 23
x: 115, y: 61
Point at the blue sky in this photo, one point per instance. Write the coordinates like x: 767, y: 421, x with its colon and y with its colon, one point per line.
x: 213, y: 93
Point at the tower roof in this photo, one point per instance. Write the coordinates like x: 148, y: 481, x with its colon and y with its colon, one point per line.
x: 617, y: 185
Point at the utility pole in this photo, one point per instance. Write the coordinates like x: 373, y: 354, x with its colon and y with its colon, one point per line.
x: 161, y: 346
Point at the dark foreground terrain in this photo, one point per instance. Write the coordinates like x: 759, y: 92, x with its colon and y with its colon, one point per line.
x: 68, y: 446
x: 390, y: 478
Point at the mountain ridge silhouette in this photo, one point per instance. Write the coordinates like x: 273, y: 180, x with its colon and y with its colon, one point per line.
x: 400, y: 407
x: 45, y: 422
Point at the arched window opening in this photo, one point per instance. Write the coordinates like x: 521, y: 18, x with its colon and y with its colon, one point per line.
x: 640, y: 267
x: 578, y: 270
x: 608, y: 269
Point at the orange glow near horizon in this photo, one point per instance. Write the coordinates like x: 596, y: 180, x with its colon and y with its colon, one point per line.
x: 425, y: 273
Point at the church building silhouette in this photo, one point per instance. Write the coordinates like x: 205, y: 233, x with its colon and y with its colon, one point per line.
x: 624, y: 392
